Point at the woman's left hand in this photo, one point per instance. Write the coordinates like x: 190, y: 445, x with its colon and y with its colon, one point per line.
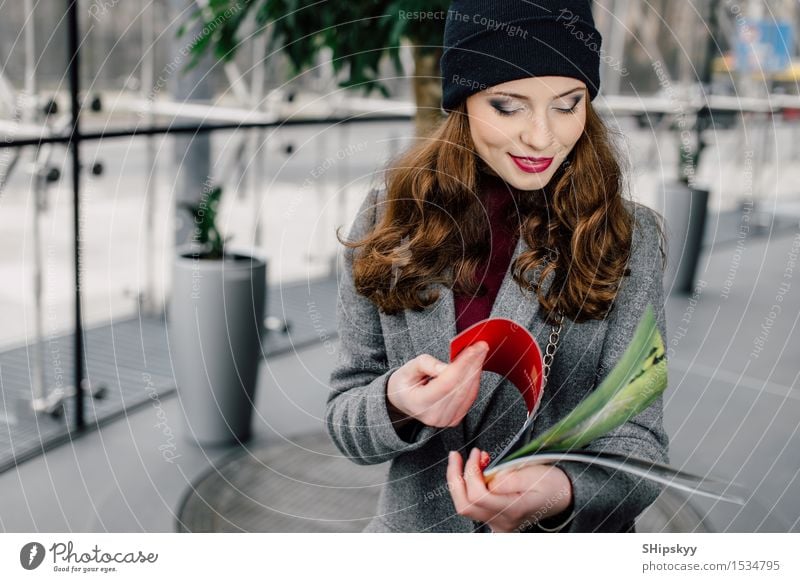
x: 514, y: 498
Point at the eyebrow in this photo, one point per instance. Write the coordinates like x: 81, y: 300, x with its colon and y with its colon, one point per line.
x: 518, y: 96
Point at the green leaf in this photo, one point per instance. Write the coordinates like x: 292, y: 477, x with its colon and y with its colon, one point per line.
x: 358, y: 33
x: 637, y: 379
x: 637, y: 395
x: 204, y: 217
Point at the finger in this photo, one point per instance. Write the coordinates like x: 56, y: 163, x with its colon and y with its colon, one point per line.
x: 526, y: 479
x: 463, y: 504
x: 481, y: 345
x: 461, y: 397
x: 485, y: 460
x: 458, y: 386
x: 455, y: 481
x: 477, y: 492
x: 450, y: 375
x: 427, y: 365
x: 473, y: 476
x: 504, y: 482
x: 471, y: 357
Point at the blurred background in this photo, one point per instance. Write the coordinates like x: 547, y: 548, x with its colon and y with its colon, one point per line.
x: 141, y: 136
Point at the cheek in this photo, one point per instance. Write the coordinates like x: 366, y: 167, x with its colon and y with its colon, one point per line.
x: 490, y: 133
x: 570, y: 133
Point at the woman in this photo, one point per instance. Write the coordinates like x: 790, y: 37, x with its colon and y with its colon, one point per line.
x: 512, y: 208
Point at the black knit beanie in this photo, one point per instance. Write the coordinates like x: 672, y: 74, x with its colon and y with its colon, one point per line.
x: 488, y: 42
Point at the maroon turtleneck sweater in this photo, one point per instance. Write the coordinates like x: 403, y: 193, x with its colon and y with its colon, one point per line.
x: 503, y: 238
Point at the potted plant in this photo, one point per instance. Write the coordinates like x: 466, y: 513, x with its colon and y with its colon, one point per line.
x: 215, y: 321
x: 358, y: 35
x: 685, y: 209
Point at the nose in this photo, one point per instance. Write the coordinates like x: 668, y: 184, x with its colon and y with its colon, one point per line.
x: 536, y: 134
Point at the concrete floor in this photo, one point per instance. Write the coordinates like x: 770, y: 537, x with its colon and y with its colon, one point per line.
x: 731, y: 411
x: 117, y: 479
x: 733, y: 403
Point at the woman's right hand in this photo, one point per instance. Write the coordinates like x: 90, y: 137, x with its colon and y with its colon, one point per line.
x: 436, y: 393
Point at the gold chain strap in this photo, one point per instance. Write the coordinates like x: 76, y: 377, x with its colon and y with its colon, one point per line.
x: 547, y: 361
x: 550, y: 350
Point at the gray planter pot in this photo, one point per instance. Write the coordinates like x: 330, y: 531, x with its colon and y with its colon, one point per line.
x: 684, y: 212
x: 215, y: 324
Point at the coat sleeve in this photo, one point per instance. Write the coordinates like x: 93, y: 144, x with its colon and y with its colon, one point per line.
x: 605, y: 500
x: 356, y: 414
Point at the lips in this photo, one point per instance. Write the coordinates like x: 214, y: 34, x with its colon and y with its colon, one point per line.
x: 531, y: 165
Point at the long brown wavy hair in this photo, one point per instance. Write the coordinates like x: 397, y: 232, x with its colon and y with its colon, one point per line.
x: 435, y: 227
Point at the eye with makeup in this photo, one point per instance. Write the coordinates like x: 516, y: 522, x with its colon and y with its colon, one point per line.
x: 570, y: 109
x: 503, y: 107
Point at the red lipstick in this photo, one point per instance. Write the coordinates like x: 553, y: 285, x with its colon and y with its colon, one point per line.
x: 532, y: 165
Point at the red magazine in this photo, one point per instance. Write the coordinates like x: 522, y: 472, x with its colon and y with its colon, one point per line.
x: 513, y: 353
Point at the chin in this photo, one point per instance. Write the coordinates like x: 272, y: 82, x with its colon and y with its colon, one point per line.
x: 531, y: 181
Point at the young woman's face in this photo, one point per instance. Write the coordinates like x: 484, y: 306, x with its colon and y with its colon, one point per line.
x: 524, y: 129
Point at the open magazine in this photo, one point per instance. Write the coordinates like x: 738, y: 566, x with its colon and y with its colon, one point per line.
x: 636, y: 381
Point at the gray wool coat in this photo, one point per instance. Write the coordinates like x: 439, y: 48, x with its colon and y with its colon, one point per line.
x: 373, y: 345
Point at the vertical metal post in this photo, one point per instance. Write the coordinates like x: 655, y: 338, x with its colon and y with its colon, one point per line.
x: 343, y: 187
x: 613, y: 80
x: 191, y: 152
x: 147, y: 300
x: 38, y: 379
x: 73, y: 67
x: 258, y: 159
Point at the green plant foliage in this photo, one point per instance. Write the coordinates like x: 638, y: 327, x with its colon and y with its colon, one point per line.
x: 636, y: 381
x: 204, y: 217
x: 358, y: 34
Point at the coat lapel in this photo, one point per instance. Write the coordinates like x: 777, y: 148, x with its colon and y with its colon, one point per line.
x: 431, y: 329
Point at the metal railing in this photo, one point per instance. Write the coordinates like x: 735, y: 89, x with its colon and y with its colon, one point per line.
x: 71, y: 136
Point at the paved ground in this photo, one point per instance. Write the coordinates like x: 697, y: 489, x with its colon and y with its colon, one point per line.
x: 118, y: 480
x: 731, y: 411
x: 733, y: 402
